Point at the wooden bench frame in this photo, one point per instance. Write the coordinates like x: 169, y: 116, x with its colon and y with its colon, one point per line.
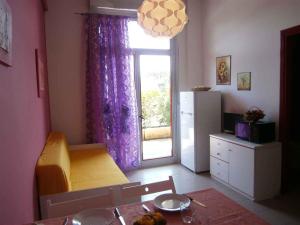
x: 67, y: 203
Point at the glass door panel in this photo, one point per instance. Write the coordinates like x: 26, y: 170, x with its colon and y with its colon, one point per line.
x: 156, y: 102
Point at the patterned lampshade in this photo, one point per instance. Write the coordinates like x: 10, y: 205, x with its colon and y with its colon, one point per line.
x: 165, y: 18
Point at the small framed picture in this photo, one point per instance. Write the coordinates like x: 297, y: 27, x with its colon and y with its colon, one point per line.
x: 244, y: 81
x: 223, y: 70
x: 41, y: 73
x: 5, y: 34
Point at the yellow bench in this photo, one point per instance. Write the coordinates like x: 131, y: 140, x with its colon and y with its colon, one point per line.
x: 60, y: 170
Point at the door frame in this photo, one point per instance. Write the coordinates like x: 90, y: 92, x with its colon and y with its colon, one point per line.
x: 173, y: 109
x: 285, y: 102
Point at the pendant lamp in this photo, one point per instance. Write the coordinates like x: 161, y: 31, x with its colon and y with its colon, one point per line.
x: 162, y: 18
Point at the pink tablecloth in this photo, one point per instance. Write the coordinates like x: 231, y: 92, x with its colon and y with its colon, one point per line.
x: 220, y: 211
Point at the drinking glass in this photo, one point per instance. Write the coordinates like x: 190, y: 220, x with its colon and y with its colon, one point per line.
x: 187, y: 214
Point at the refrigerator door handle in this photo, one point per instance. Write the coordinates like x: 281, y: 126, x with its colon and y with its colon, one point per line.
x: 186, y: 113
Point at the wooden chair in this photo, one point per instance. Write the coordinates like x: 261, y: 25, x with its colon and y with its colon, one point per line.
x: 130, y: 194
x: 64, y: 204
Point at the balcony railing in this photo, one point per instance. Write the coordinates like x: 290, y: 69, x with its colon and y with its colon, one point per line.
x: 153, y: 133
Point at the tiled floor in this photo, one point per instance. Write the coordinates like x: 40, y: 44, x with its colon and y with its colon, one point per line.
x: 283, y: 210
x: 157, y: 148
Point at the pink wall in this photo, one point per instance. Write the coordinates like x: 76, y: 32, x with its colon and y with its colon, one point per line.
x: 24, y: 118
x: 250, y: 32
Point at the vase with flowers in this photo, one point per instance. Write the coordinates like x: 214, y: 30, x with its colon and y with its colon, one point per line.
x: 253, y: 115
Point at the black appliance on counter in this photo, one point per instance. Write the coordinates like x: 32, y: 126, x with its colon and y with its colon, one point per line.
x: 259, y: 132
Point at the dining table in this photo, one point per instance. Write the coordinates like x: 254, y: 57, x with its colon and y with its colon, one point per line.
x: 219, y: 210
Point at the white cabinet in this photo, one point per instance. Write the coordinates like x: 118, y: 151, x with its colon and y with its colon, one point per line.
x: 252, y: 169
x: 219, y: 169
x: 241, y: 167
x: 200, y: 115
x: 219, y: 149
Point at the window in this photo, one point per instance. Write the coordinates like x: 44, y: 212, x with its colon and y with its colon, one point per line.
x: 139, y: 40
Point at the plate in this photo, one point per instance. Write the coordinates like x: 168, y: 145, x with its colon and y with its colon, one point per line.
x: 93, y: 217
x: 171, y: 202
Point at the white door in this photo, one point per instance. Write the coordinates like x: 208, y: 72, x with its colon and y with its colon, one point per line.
x: 187, y: 129
x: 241, y: 169
x: 155, y: 106
x: 155, y: 84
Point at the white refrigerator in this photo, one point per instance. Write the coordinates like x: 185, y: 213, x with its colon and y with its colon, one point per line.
x: 200, y: 116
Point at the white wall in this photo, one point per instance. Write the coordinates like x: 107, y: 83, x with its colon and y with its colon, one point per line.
x: 190, y: 48
x: 66, y: 61
x: 250, y: 32
x: 66, y: 67
x: 247, y: 30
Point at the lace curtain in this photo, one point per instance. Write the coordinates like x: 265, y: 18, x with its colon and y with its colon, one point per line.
x: 112, y: 115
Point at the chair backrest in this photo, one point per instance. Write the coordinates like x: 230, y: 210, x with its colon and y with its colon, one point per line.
x: 67, y: 203
x: 130, y: 194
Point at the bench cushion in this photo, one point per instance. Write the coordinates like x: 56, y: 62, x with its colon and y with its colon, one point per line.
x: 53, y: 167
x: 92, y: 168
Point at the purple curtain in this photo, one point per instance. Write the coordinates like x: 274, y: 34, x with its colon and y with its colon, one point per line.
x: 111, y: 101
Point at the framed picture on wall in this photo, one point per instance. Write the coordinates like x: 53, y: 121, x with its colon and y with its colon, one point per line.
x: 5, y: 34
x: 40, y: 74
x: 244, y: 81
x: 223, y: 70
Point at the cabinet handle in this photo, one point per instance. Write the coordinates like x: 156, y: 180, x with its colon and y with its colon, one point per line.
x: 218, y: 153
x: 230, y: 150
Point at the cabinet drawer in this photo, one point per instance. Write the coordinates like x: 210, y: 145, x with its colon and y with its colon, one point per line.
x: 219, y: 169
x: 219, y: 149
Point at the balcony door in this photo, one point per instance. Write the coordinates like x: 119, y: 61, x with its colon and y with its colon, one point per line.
x: 154, y: 84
